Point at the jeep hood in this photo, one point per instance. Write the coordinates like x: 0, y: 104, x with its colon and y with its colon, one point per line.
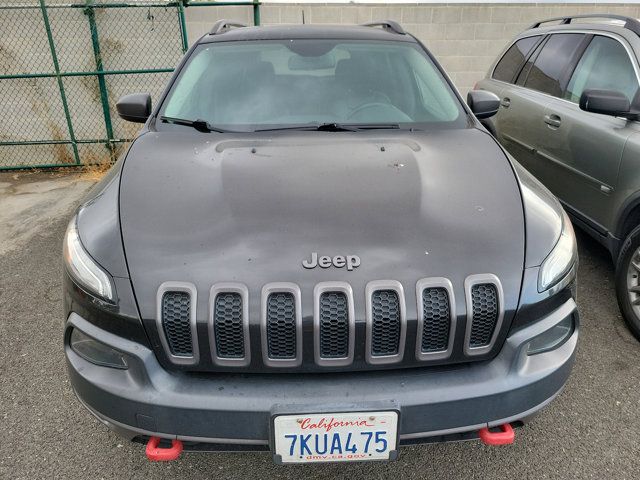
x: 208, y: 208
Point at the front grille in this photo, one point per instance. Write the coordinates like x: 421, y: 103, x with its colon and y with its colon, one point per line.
x: 176, y: 315
x: 386, y: 323
x: 334, y: 336
x: 485, y: 311
x: 281, y: 326
x: 436, y: 318
x: 228, y: 325
x: 334, y: 325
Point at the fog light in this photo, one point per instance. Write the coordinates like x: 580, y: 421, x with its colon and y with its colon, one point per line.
x: 552, y: 338
x: 96, y: 352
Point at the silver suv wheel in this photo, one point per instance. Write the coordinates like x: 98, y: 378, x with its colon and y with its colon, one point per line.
x: 628, y: 281
x: 633, y: 281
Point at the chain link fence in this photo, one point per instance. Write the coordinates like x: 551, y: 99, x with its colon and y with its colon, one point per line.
x: 63, y: 67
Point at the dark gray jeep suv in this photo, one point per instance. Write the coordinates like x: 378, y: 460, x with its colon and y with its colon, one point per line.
x: 314, y: 248
x: 570, y: 105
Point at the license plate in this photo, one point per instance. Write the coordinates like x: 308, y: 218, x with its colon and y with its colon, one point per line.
x: 335, y: 437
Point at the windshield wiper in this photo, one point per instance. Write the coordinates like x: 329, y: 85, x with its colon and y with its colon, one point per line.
x: 198, y: 124
x: 375, y: 126
x: 315, y: 127
x: 335, y: 127
x: 204, y: 126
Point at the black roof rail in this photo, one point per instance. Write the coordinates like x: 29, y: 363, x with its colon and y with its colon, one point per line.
x: 388, y: 25
x: 629, y: 22
x: 222, y: 26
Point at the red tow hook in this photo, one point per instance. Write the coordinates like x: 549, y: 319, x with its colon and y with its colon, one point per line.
x: 505, y: 436
x: 157, y: 454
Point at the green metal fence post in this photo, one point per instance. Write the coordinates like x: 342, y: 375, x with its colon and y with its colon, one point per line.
x: 56, y: 66
x: 256, y: 12
x: 102, y: 84
x: 183, y: 25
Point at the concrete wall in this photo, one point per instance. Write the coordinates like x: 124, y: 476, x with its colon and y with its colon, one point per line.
x: 464, y: 37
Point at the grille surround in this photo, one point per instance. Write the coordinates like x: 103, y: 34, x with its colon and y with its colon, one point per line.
x: 274, y: 288
x: 243, y: 291
x: 471, y: 332
x: 189, y: 289
x: 328, y: 287
x: 421, y: 285
x: 370, y: 289
x: 469, y: 283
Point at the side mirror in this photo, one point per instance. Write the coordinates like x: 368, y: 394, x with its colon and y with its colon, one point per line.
x: 135, y: 107
x: 605, y: 102
x: 483, y: 104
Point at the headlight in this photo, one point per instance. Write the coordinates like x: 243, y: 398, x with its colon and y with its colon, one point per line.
x: 561, y: 259
x: 84, y: 270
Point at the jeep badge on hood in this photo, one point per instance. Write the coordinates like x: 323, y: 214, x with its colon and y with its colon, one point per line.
x: 339, y: 261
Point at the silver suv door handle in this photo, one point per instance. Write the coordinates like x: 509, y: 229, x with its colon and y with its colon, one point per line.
x: 505, y: 102
x: 553, y: 120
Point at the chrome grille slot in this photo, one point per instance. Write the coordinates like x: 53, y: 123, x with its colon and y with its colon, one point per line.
x: 176, y: 322
x: 176, y: 307
x: 281, y: 325
x: 485, y: 314
x: 385, y: 336
x: 386, y: 322
x: 436, y: 318
x: 334, y: 325
x: 228, y: 325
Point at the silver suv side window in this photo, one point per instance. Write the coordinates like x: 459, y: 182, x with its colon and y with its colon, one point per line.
x: 513, y: 59
x: 605, y: 65
x: 547, y: 70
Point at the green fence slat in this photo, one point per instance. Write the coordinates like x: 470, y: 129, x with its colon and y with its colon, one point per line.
x: 56, y: 66
x: 256, y: 12
x: 102, y: 84
x: 183, y: 27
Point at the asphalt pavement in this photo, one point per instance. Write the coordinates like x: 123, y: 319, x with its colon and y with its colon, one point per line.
x: 591, y: 430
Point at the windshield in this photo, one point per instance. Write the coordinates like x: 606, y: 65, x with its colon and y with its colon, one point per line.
x: 258, y: 85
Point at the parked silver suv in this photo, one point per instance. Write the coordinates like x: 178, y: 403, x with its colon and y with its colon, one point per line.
x: 569, y: 113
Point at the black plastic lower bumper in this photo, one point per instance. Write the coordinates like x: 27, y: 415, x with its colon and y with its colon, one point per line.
x: 236, y: 409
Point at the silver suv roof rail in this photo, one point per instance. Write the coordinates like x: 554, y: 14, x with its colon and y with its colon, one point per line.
x: 388, y: 25
x: 629, y: 23
x: 223, y: 26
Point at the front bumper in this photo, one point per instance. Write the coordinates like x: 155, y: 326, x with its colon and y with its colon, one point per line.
x: 236, y: 409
